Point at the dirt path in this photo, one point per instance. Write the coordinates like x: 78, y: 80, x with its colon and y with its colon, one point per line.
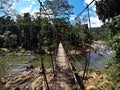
x: 64, y: 79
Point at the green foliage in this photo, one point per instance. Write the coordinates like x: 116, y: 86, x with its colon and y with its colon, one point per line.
x: 6, y: 7
x: 100, y: 33
x: 2, y: 65
x: 113, y: 73
x: 115, y: 41
x: 107, y: 9
x: 30, y: 33
x: 76, y: 35
x: 112, y: 84
x: 8, y: 39
x: 101, y: 87
x: 60, y: 8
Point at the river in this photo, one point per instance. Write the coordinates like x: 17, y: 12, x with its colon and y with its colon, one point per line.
x: 98, y: 58
x: 13, y: 64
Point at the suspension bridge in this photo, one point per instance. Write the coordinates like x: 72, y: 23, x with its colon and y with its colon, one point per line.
x: 65, y: 74
x: 64, y: 77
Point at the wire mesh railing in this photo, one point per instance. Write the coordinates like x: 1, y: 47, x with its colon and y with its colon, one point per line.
x: 82, y: 18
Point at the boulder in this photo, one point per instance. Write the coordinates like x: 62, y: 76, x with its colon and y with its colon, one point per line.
x: 101, y: 52
x: 91, y: 87
x: 27, y: 80
x: 29, y: 66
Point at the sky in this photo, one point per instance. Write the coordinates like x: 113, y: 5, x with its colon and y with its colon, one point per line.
x: 32, y: 6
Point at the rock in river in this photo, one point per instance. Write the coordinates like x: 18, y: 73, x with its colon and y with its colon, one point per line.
x: 27, y: 80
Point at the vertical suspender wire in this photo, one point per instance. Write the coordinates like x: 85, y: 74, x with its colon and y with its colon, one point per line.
x: 43, y: 69
x: 83, y: 46
x: 88, y: 60
x: 51, y: 52
x: 83, y: 43
x: 48, y: 19
x: 89, y: 38
x: 55, y: 51
x: 56, y: 33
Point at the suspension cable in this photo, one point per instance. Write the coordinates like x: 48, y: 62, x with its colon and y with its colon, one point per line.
x: 85, y: 8
x: 55, y: 45
x: 87, y: 61
x: 44, y: 9
x: 43, y: 68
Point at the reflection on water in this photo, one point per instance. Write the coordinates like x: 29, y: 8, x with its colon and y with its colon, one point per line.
x: 97, y: 60
x: 18, y: 67
x: 13, y: 64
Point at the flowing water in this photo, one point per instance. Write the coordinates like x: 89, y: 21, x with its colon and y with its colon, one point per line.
x: 97, y: 60
x: 13, y: 64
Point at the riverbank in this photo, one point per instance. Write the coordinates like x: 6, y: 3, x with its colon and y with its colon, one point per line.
x: 34, y: 80
x: 27, y: 80
x: 17, y: 62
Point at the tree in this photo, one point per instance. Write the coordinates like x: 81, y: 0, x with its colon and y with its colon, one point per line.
x: 24, y: 27
x: 6, y: 7
x: 107, y: 9
x: 100, y: 33
x: 8, y: 31
x: 2, y: 21
x: 9, y: 40
x: 60, y: 8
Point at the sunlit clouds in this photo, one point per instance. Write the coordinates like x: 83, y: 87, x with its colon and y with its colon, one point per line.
x: 26, y: 9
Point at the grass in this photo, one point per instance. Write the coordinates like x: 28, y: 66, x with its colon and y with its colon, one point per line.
x: 78, y: 62
x: 12, y: 61
x: 46, y: 61
x: 14, y: 58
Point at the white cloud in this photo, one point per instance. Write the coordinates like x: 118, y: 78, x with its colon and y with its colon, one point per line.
x: 49, y: 12
x: 33, y: 13
x: 95, y: 22
x: 33, y: 2
x: 43, y: 13
x: 72, y: 17
x: 88, y: 2
x: 94, y: 8
x: 26, y: 9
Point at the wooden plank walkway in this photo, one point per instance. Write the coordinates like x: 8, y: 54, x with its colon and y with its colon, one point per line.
x: 64, y: 78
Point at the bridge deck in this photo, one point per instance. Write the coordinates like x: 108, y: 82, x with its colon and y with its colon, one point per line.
x: 64, y: 78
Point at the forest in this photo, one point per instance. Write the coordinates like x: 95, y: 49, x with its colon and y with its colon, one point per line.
x: 35, y: 33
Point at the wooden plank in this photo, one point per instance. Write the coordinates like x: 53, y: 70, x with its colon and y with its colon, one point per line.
x: 64, y: 79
